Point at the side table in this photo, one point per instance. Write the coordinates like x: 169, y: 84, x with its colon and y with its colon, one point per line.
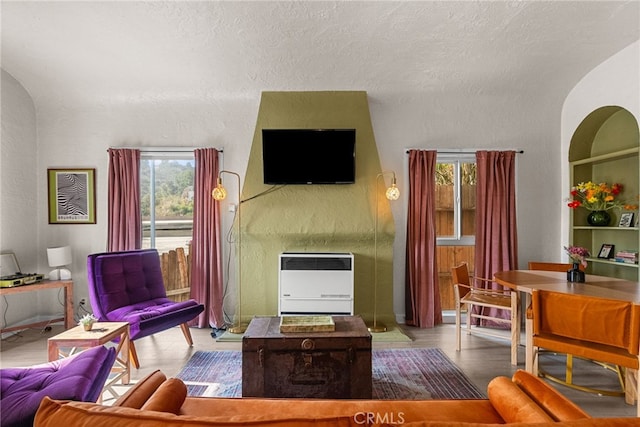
x: 77, y: 339
x: 67, y: 285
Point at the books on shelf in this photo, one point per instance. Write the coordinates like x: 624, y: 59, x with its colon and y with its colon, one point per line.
x: 628, y: 257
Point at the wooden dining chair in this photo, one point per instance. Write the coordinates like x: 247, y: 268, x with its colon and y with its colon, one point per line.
x: 551, y: 266
x: 593, y: 328
x: 469, y: 292
x: 568, y: 374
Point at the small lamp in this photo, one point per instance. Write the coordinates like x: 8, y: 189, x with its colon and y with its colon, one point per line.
x: 220, y: 193
x: 392, y: 193
x: 58, y: 258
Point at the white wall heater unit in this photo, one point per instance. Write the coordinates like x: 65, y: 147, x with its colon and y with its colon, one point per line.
x: 315, y: 283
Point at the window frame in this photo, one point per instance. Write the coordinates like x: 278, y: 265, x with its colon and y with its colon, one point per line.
x: 456, y: 159
x: 154, y: 154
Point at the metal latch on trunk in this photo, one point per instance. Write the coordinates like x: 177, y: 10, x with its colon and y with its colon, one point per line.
x: 307, y: 345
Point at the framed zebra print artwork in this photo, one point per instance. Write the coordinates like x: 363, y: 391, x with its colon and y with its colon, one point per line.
x: 72, y: 196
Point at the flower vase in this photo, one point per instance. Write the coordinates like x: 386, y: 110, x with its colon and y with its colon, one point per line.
x: 598, y: 218
x: 575, y: 275
x: 87, y: 326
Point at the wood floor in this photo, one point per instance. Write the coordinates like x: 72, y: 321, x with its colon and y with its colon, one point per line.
x: 481, y: 359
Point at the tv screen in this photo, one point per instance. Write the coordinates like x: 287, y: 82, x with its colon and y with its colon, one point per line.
x: 309, y: 156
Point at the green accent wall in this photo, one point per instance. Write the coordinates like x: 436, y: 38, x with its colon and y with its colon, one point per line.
x: 316, y: 218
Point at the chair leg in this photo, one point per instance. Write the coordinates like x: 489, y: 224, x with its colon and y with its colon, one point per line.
x: 187, y: 333
x: 568, y: 375
x: 458, y: 326
x: 133, y: 355
x: 469, y: 311
x: 631, y: 387
x: 532, y: 354
x: 632, y: 377
x: 515, y: 328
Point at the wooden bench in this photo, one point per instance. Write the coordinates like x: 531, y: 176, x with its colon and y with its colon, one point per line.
x: 600, y: 329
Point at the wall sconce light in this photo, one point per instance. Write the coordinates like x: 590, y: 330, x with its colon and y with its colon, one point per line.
x: 392, y: 193
x: 58, y: 258
x: 220, y: 193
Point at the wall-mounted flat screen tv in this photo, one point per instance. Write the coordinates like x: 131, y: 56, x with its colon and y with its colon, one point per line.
x: 309, y: 156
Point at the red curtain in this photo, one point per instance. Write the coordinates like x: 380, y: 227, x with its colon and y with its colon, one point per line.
x: 422, y: 295
x: 124, y: 229
x: 206, y: 251
x: 496, y: 229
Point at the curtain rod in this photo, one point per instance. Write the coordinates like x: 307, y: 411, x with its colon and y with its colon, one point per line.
x: 164, y: 149
x: 461, y: 151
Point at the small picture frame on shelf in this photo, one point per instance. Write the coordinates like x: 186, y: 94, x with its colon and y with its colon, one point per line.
x: 606, y: 251
x: 626, y: 220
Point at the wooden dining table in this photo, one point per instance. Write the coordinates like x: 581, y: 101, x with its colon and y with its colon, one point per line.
x: 528, y: 281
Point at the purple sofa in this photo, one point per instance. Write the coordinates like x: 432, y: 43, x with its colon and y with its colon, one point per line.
x: 128, y: 287
x: 80, y: 377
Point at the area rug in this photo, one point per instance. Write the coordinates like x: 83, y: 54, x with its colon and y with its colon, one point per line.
x: 411, y: 374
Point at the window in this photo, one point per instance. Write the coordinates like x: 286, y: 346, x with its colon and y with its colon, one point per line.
x: 456, y: 199
x: 455, y: 219
x: 166, y: 199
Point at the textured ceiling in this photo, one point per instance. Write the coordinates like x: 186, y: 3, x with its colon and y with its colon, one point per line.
x: 68, y: 53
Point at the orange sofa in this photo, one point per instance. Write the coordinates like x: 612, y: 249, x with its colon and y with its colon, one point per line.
x: 523, y: 400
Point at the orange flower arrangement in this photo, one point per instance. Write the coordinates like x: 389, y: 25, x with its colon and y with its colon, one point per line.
x: 598, y: 197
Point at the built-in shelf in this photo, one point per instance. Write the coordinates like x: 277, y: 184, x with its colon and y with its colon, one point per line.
x: 608, y: 157
x: 606, y: 148
x: 617, y: 264
x: 589, y: 227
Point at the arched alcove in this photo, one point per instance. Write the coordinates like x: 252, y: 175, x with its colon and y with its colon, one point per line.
x: 605, y: 148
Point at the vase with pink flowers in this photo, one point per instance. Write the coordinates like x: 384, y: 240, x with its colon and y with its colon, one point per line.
x: 578, y: 256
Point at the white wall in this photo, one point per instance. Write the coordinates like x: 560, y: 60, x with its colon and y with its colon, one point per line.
x: 80, y: 136
x: 18, y: 181
x: 441, y: 121
x: 19, y: 190
x: 614, y: 82
x: 486, y: 121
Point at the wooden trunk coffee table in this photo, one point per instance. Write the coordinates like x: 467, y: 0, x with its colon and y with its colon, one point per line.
x: 331, y: 365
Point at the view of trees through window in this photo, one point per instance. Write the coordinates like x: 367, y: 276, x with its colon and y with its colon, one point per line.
x: 166, y: 193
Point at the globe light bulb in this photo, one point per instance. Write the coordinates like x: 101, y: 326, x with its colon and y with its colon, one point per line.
x: 219, y: 193
x: 393, y: 193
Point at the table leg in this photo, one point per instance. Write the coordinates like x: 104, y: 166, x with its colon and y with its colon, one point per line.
x: 68, y: 318
x: 515, y: 327
x: 121, y: 366
x: 528, y: 326
x: 124, y: 356
x: 52, y: 351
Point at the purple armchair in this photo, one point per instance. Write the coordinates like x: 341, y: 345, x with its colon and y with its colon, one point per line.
x: 80, y: 377
x: 128, y: 287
